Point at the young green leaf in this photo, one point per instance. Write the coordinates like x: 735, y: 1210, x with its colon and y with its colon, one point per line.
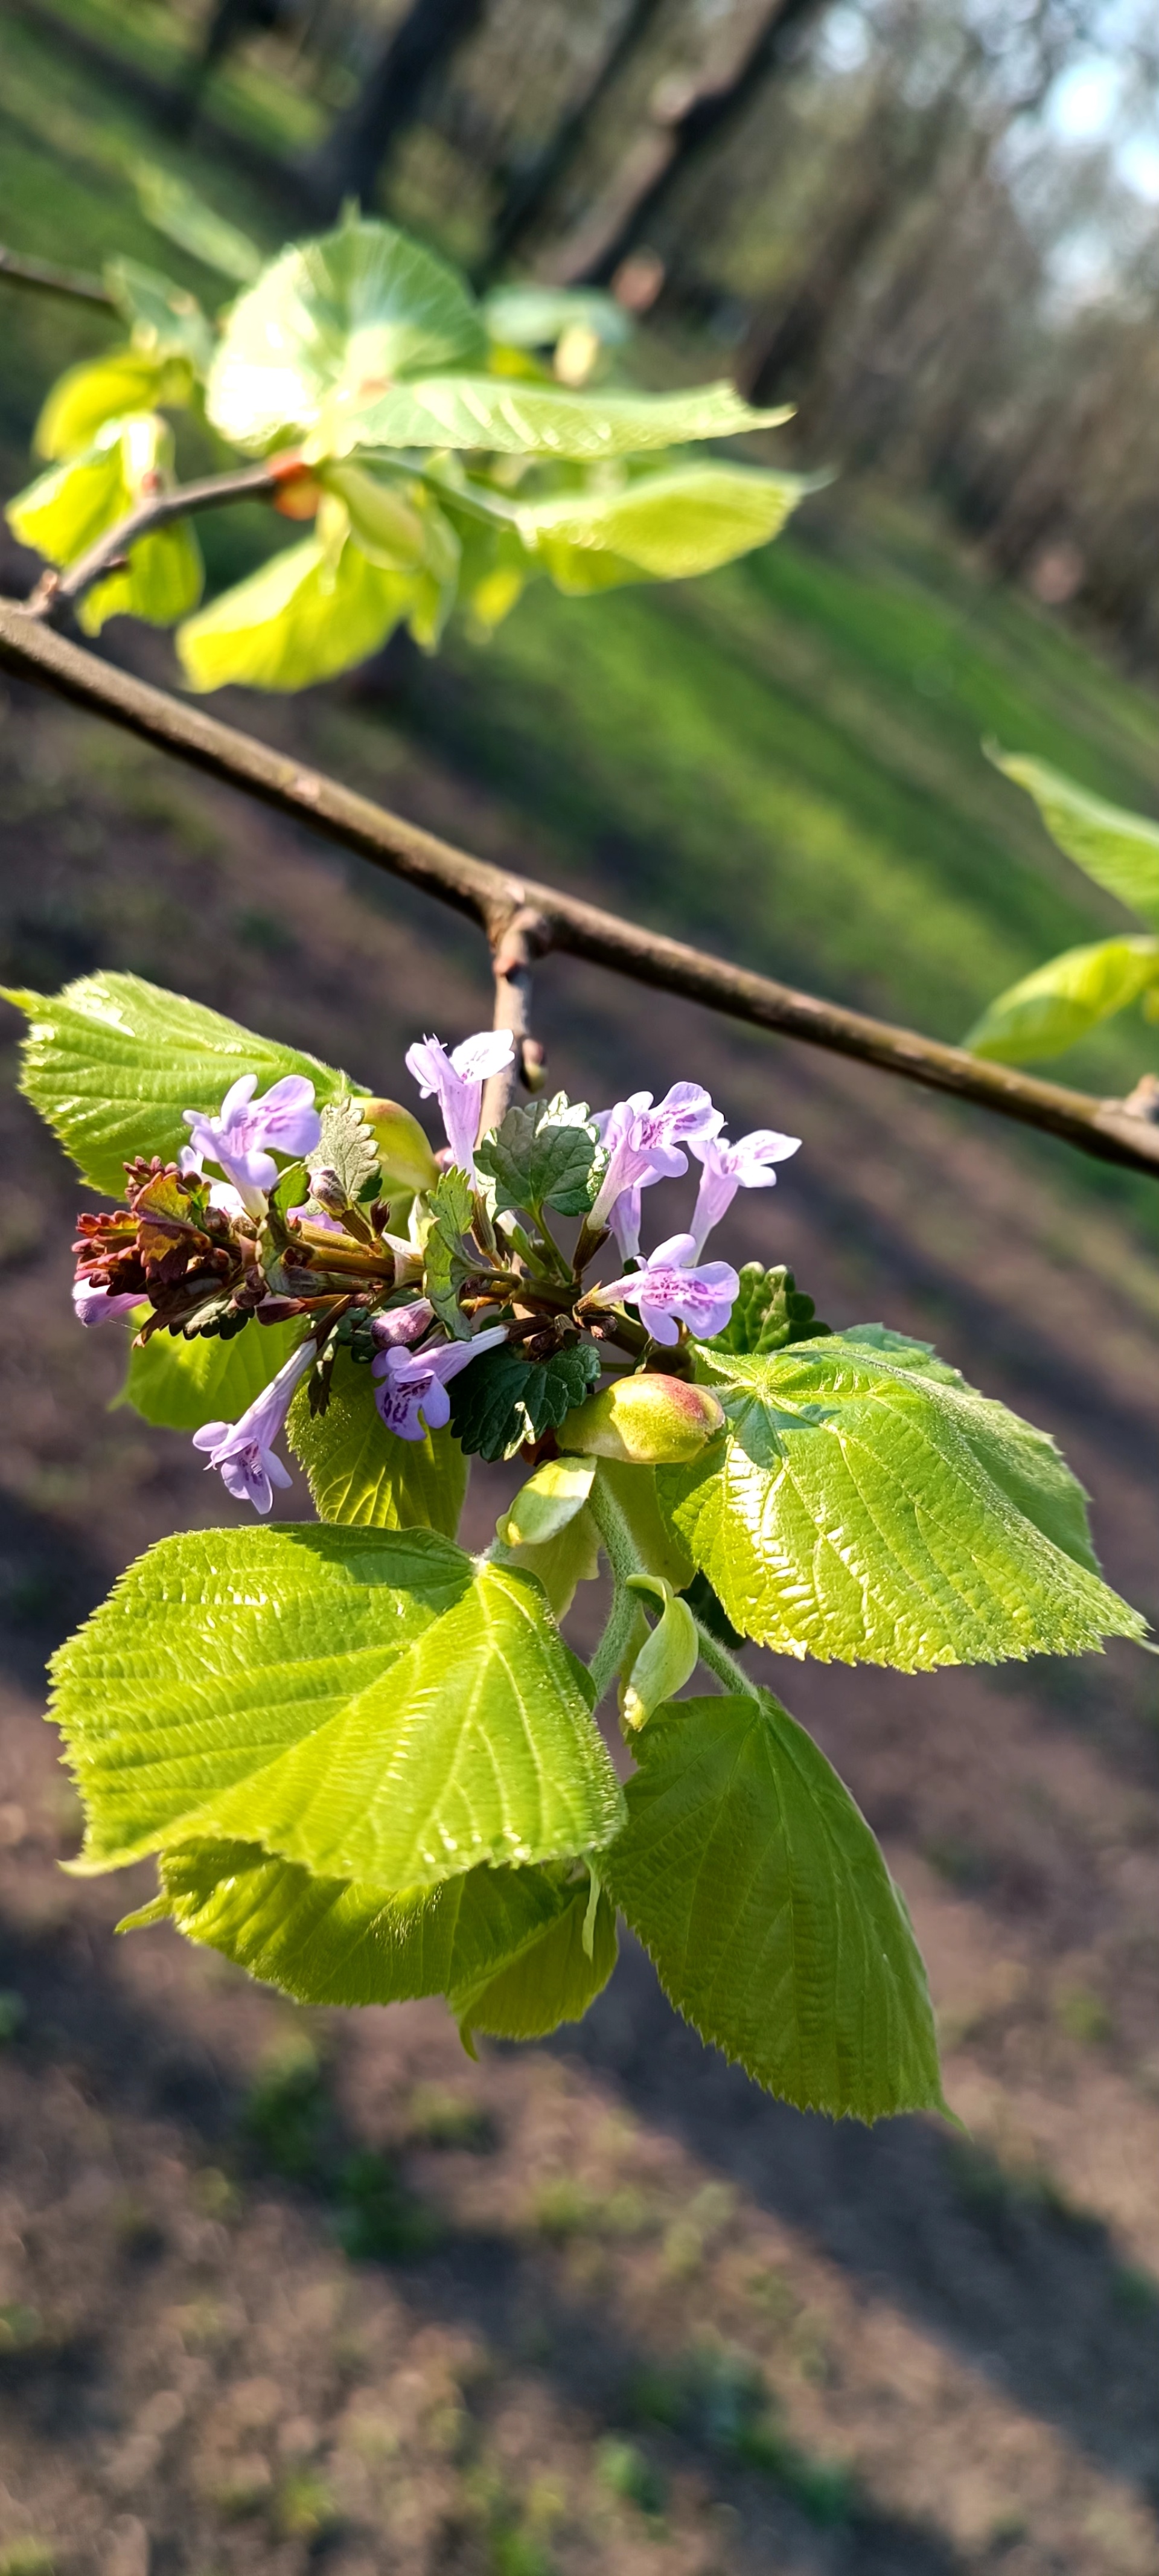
x: 528, y: 316
x: 161, y: 582
x: 346, y: 1147
x: 67, y: 509
x: 86, y: 398
x: 667, y: 1656
x: 359, y: 1472
x: 1056, y: 1005
x: 336, y: 321
x: 299, y: 618
x: 178, y: 1385
x: 184, y: 217
x: 165, y: 319
x: 504, y: 1398
x: 370, y: 1703
x: 660, y: 527
x: 758, y: 1889
x: 548, y: 1501
x: 568, y: 1558
x: 451, y: 1257
x: 512, y: 419
x: 333, y: 1941
x: 857, y: 1509
x: 1118, y: 849
x: 554, y: 1979
x: 770, y: 1312
x: 111, y: 1062
x: 542, y: 1156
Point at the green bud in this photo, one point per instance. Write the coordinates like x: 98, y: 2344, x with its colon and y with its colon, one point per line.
x: 547, y: 1502
x: 384, y: 527
x: 405, y: 1155
x: 668, y: 1656
x: 647, y: 1421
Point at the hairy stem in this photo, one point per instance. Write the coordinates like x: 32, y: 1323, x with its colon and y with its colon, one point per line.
x: 613, y: 1646
x: 724, y: 1664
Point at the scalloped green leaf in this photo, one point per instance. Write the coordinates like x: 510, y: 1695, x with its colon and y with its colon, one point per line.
x: 298, y: 619
x: 177, y: 1385
x: 333, y: 1941
x: 335, y: 321
x: 759, y: 1892
x: 504, y: 1398
x: 111, y: 1061
x: 770, y: 1310
x: 660, y: 527
x: 1120, y: 850
x: 361, y: 1473
x: 372, y: 1704
x: 858, y: 1509
x: 505, y: 417
x: 161, y: 582
x: 542, y: 1156
x: 1060, y: 1002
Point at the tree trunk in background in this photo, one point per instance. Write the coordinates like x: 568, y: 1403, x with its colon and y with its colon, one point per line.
x: 350, y: 160
x: 528, y: 190
x: 685, y: 116
x: 229, y: 21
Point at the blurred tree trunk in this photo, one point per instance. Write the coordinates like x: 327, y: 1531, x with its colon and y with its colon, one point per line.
x: 350, y: 160
x: 528, y: 190
x: 685, y: 115
x: 229, y: 21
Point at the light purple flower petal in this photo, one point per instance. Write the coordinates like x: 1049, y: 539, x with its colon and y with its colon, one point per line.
x: 243, y: 1451
x: 729, y: 1168
x: 671, y: 1288
x: 457, y: 1080
x: 624, y: 1220
x: 402, y: 1324
x: 644, y: 1141
x: 96, y: 1306
x: 246, y: 1133
x: 411, y: 1395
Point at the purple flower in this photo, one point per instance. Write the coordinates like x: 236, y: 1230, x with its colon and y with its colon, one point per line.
x: 402, y: 1324
x: 669, y: 1287
x: 624, y: 1220
x: 412, y: 1396
x: 729, y: 1168
x: 643, y: 1145
x: 98, y: 1305
x: 243, y: 1452
x: 243, y: 1139
x: 457, y: 1080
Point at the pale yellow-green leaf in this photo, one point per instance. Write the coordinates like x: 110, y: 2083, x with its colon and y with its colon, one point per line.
x: 1057, y: 1004
x: 299, y: 619
x: 660, y: 527
x: 360, y: 1472
x: 1120, y: 850
x: 491, y: 414
x: 165, y: 319
x: 105, y: 389
x: 178, y: 1385
x: 161, y: 582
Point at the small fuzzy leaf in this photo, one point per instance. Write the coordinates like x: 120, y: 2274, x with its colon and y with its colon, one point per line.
x: 554, y: 1979
x: 1118, y: 849
x: 542, y: 1156
x: 359, y: 1472
x: 757, y: 1888
x: 1060, y: 1002
x: 299, y: 618
x: 512, y: 419
x: 504, y: 1398
x: 178, y: 1385
x: 659, y: 527
x: 666, y: 1659
x: 111, y: 1062
x: 372, y: 1704
x: 770, y: 1312
x: 858, y: 1508
x: 347, y: 1147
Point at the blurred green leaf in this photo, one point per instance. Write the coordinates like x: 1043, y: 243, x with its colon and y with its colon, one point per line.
x: 1057, y: 1004
x: 178, y: 1385
x: 1119, y: 850
x: 527, y: 316
x: 176, y: 210
x: 105, y: 389
x: 299, y: 618
x: 164, y: 318
x: 661, y: 527
x: 509, y: 418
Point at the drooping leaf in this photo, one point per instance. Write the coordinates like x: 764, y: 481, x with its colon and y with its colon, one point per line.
x: 542, y: 1156
x: 770, y: 1312
x: 360, y: 1472
x: 184, y: 217
x: 370, y: 1703
x: 504, y: 1398
x: 299, y: 618
x: 525, y: 315
x: 451, y: 1257
x: 1118, y: 849
x: 757, y: 1887
x: 178, y: 1385
x: 114, y: 387
x: 161, y: 582
x: 333, y: 1941
x: 165, y: 319
x: 1060, y: 1002
x: 511, y: 419
x: 64, y: 511
x: 67, y: 509
x: 660, y: 527
x: 111, y: 1062
x: 335, y: 321
x: 553, y: 1979
x: 550, y: 1499
x: 859, y: 1510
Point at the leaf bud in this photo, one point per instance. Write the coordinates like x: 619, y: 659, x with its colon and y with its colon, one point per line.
x: 547, y: 1502
x: 647, y: 1421
x: 405, y: 1155
x: 667, y: 1657
x: 327, y: 1189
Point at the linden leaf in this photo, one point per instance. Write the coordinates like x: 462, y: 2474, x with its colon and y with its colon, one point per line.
x: 666, y: 526
x: 770, y: 1311
x: 554, y: 1978
x: 1060, y: 1002
x: 177, y: 1384
x: 299, y: 618
x: 361, y: 1473
x: 758, y: 1890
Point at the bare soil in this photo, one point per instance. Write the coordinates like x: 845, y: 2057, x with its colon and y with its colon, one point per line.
x: 279, y: 2288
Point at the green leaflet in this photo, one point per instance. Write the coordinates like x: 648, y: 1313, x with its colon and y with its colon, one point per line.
x: 662, y: 527
x: 359, y: 1472
x: 569, y: 1558
x: 757, y: 1887
x: 369, y: 1703
x: 504, y: 1398
x: 508, y: 418
x: 178, y: 1385
x: 859, y: 1509
x: 331, y: 1941
x: 527, y: 316
x: 1056, y: 1006
x: 770, y: 1311
x: 111, y: 1062
x: 542, y: 1156
x: 553, y: 1979
x: 65, y: 510
x: 346, y: 1147
x: 87, y: 398
x: 335, y: 321
x: 177, y: 211
x: 161, y: 582
x: 1118, y: 849
x: 165, y: 319
x: 299, y: 618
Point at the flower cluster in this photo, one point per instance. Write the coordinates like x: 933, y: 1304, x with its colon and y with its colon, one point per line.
x: 197, y: 1250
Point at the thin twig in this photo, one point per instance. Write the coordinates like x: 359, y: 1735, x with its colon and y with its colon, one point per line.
x: 58, y: 591
x: 47, y: 280
x: 526, y: 936
x: 491, y: 896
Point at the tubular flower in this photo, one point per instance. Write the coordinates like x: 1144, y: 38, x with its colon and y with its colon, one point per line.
x: 96, y: 1305
x: 457, y: 1082
x: 412, y: 1394
x: 728, y: 1168
x: 243, y: 1452
x: 643, y: 1145
x: 402, y: 1324
x: 246, y: 1134
x: 670, y: 1289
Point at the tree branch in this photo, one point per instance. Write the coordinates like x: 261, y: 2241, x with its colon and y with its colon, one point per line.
x: 56, y: 592
x: 526, y: 936
x: 46, y: 280
x: 490, y: 896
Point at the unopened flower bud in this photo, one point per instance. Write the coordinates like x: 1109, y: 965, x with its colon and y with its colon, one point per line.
x: 326, y: 1187
x: 647, y: 1421
x: 407, y: 1161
